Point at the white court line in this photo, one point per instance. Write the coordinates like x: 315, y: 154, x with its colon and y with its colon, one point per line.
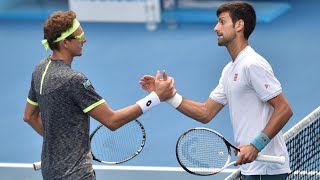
x: 113, y: 167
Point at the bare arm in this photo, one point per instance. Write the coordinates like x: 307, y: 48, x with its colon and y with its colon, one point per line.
x: 33, y: 117
x: 115, y: 119
x: 280, y: 116
x: 202, y: 112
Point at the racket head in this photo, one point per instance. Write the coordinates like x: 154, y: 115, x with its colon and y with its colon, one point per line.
x: 202, y: 151
x: 121, y: 145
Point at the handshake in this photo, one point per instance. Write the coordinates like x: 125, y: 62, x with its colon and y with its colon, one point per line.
x: 160, y: 90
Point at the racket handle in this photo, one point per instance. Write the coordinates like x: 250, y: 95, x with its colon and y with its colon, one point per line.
x: 37, y: 165
x: 272, y: 159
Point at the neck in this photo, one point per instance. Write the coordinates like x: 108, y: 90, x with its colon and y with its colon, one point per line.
x: 58, y: 55
x: 236, y: 47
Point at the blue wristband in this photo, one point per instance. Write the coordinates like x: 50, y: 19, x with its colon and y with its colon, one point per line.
x: 260, y: 141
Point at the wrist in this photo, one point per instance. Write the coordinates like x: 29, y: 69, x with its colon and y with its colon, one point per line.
x: 260, y: 141
x: 175, y: 101
x: 148, y: 102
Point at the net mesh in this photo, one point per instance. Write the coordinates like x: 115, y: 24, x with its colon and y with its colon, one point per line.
x: 303, y: 143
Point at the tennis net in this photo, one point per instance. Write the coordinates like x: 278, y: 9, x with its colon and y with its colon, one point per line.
x: 303, y: 143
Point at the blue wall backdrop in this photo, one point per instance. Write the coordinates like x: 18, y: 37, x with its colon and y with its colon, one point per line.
x: 117, y: 55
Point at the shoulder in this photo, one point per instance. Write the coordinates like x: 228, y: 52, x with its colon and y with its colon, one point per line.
x: 256, y: 61
x: 77, y: 76
x: 80, y: 79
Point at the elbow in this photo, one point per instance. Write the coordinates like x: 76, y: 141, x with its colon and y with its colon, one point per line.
x: 286, y: 112
x: 205, y: 119
x: 112, y: 127
x: 287, y: 109
x: 27, y: 119
x: 205, y: 115
x: 204, y: 122
x: 290, y: 112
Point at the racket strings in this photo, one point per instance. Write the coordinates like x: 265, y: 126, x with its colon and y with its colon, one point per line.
x: 117, y: 146
x: 203, y: 152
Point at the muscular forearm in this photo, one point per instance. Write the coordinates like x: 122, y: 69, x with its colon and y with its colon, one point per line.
x: 32, y: 116
x: 36, y: 123
x: 277, y: 121
x: 125, y: 115
x: 115, y: 119
x: 280, y: 116
x: 202, y: 112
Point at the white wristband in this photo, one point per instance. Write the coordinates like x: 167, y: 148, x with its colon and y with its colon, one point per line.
x: 148, y: 102
x: 175, y: 101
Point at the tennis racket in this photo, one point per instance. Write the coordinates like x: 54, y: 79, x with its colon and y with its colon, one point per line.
x: 204, y: 152
x: 115, y: 147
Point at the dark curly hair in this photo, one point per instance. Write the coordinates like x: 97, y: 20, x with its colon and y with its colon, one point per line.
x: 240, y: 10
x: 56, y: 24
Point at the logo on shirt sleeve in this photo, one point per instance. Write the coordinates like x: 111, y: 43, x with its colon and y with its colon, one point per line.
x: 266, y: 86
x: 87, y: 84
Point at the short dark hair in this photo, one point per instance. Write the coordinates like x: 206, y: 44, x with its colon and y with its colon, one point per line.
x: 240, y: 10
x: 56, y: 24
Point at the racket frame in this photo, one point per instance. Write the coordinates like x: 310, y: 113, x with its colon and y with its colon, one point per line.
x: 129, y: 158
x: 228, y: 145
x: 263, y: 158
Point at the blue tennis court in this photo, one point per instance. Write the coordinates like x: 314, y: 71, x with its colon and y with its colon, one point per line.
x: 116, y: 55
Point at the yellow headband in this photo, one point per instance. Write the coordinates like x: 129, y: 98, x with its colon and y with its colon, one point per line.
x: 64, y: 35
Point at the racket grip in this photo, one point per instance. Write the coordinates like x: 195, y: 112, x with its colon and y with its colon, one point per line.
x: 37, y: 165
x: 272, y: 159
